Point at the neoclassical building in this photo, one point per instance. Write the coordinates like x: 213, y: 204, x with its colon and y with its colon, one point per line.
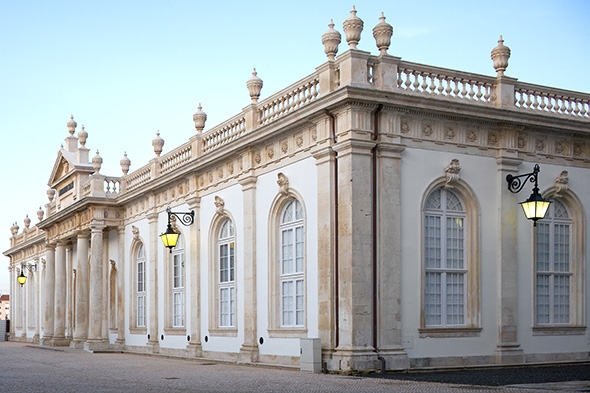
x: 364, y: 208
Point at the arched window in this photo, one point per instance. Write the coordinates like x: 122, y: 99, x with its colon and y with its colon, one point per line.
x: 445, y: 268
x: 140, y: 286
x: 292, y: 262
x: 226, y: 285
x: 553, y: 265
x: 178, y: 279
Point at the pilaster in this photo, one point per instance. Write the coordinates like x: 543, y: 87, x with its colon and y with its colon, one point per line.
x: 355, y: 349
x: 81, y: 318
x: 49, y: 294
x: 249, y: 350
x: 95, y: 340
x: 120, y: 341
x: 59, y: 329
x: 389, y: 256
x: 194, y: 347
x: 153, y: 344
x: 326, y: 165
x: 508, y: 350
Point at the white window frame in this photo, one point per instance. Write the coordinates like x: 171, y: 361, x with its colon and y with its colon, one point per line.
x: 140, y: 287
x: 177, y: 276
x: 292, y: 266
x: 226, y: 276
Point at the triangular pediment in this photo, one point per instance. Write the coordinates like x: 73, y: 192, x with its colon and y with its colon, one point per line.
x: 65, y: 166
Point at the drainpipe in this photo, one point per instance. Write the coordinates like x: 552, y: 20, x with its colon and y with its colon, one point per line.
x: 374, y: 224
x: 336, y: 262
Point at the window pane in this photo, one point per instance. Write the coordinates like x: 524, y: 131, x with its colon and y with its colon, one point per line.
x: 542, y: 298
x: 455, y: 298
x: 433, y: 242
x: 433, y: 299
x: 561, y: 299
x: 287, y: 251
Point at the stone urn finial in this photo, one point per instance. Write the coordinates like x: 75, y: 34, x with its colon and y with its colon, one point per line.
x: 27, y: 221
x: 500, y: 56
x: 331, y: 39
x: 125, y: 163
x: 96, y: 163
x: 82, y: 136
x: 72, y: 125
x: 200, y: 118
x: 254, y: 86
x: 51, y: 194
x: 382, y: 33
x: 40, y: 214
x: 158, y: 144
x: 14, y: 229
x: 353, y: 26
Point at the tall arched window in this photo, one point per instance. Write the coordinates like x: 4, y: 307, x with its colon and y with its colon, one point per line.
x: 445, y: 269
x: 177, y: 278
x: 553, y: 266
x: 292, y: 304
x: 226, y: 275
x: 140, y: 288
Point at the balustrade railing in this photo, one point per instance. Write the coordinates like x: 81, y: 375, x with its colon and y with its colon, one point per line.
x: 138, y: 178
x: 112, y: 185
x: 224, y: 133
x: 292, y: 98
x: 540, y: 98
x: 441, y: 82
x: 175, y: 158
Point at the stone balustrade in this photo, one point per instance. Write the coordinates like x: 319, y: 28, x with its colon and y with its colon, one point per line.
x: 224, y: 133
x: 551, y: 101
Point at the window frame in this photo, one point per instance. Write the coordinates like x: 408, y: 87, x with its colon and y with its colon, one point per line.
x: 471, y: 259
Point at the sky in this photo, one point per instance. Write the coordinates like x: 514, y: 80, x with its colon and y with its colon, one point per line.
x: 128, y: 69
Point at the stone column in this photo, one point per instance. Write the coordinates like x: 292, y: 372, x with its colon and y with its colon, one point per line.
x: 81, y: 296
x: 249, y: 350
x: 95, y: 339
x: 508, y: 350
x: 120, y: 341
x: 49, y: 294
x: 194, y: 348
x: 389, y: 255
x: 153, y: 344
x: 326, y: 163
x: 355, y: 294
x: 13, y: 289
x: 59, y: 326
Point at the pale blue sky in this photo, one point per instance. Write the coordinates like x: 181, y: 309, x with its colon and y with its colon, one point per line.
x: 126, y: 69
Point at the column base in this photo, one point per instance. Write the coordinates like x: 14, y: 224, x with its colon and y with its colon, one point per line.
x: 153, y: 347
x: 60, y: 342
x: 395, y: 358
x: 46, y: 340
x: 194, y: 350
x: 248, y: 353
x: 509, y: 354
x: 96, y: 345
x: 78, y: 343
x: 349, y: 359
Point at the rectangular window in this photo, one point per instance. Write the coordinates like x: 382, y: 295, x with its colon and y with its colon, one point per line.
x: 553, y: 278
x: 178, y: 290
x: 140, y: 311
x: 292, y: 303
x: 227, y: 307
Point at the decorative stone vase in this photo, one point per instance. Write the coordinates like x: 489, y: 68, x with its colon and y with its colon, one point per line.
x: 254, y: 85
x: 158, y: 144
x: 353, y: 26
x: 72, y: 125
x: 50, y: 194
x: 27, y: 221
x: 500, y: 56
x: 331, y: 39
x: 382, y: 33
x: 125, y: 163
x: 96, y: 163
x: 200, y: 118
x: 82, y: 136
x: 40, y: 214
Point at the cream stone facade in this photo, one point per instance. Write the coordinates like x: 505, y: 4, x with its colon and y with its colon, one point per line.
x: 365, y: 205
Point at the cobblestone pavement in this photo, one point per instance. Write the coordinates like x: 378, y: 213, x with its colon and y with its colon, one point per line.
x: 26, y: 368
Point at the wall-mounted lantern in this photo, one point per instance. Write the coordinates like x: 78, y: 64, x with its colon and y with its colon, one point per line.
x: 535, y: 207
x: 170, y: 237
x: 22, y: 279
